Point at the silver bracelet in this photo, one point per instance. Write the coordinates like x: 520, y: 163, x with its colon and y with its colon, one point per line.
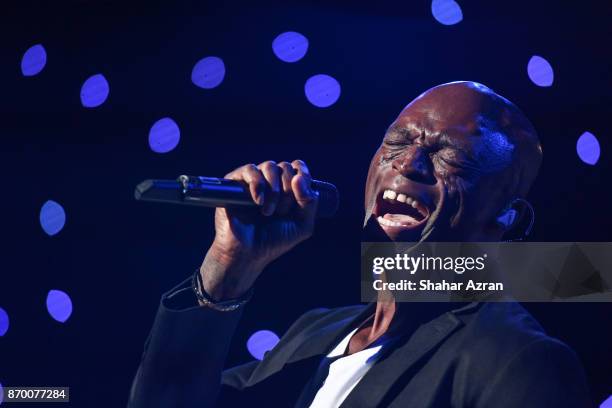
x: 224, y: 306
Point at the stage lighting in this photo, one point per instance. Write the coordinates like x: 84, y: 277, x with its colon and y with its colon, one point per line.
x: 164, y: 135
x: 540, y: 71
x: 290, y: 46
x: 587, y: 148
x: 322, y: 90
x: 260, y: 342
x: 59, y: 305
x: 208, y: 72
x: 607, y: 403
x: 94, y: 91
x: 4, y: 322
x: 447, y: 12
x: 33, y: 60
x: 52, y: 217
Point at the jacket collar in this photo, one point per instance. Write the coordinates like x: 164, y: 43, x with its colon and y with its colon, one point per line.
x: 374, y: 385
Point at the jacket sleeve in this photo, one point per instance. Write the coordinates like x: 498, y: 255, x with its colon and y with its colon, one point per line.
x: 184, y: 354
x: 545, y: 373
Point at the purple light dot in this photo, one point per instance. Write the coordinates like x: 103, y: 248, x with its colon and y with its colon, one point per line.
x: 94, y: 91
x: 607, y: 403
x: 4, y: 322
x: 447, y: 12
x: 59, y: 305
x: 540, y: 71
x: 52, y: 217
x: 322, y: 90
x: 208, y: 72
x: 587, y: 148
x: 164, y: 135
x: 290, y: 46
x: 34, y: 60
x: 260, y: 342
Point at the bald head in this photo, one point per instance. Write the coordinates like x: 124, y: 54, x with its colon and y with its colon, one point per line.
x: 459, y: 147
x: 509, y: 140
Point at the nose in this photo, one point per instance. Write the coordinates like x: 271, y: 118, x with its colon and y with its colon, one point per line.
x: 415, y: 165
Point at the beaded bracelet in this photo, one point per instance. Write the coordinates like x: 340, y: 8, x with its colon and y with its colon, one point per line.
x: 226, y: 305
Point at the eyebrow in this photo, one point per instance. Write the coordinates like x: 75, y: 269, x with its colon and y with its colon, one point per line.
x: 442, y: 138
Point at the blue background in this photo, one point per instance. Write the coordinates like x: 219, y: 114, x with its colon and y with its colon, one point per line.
x: 115, y: 256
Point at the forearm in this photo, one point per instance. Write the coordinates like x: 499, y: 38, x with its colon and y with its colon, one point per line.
x: 184, y: 354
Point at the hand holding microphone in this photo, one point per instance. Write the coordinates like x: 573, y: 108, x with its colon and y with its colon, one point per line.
x: 271, y: 209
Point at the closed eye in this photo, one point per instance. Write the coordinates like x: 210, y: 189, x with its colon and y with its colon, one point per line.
x: 456, y: 161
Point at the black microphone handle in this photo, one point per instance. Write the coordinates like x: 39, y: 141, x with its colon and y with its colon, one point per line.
x: 217, y: 192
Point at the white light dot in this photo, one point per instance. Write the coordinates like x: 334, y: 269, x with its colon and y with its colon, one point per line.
x: 52, y: 217
x: 322, y: 90
x: 164, y: 135
x: 540, y: 71
x: 59, y: 305
x: 588, y: 148
x: 290, y: 46
x: 447, y: 12
x: 260, y: 342
x: 94, y: 91
x: 33, y: 60
x: 4, y: 322
x: 208, y: 72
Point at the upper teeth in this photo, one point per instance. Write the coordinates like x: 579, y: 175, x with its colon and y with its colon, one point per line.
x: 403, y: 198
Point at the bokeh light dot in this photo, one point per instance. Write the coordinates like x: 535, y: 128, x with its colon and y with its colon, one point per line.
x: 52, y: 217
x: 290, y: 46
x: 164, y: 135
x: 59, y: 305
x: 260, y: 342
x: 607, y: 403
x: 94, y: 91
x: 322, y: 90
x: 4, y: 322
x: 33, y: 60
x: 208, y: 72
x: 447, y: 12
x: 540, y: 71
x: 588, y: 148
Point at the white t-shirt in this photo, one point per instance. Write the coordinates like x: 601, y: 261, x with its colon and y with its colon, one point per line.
x: 345, y: 372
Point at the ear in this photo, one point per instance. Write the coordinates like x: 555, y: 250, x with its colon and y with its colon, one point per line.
x: 517, y: 213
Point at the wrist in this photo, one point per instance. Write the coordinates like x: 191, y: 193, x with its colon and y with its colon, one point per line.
x: 226, y: 276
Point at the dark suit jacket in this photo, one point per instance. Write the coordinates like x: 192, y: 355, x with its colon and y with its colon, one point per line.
x: 480, y: 355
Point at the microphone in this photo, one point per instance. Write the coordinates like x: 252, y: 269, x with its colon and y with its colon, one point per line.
x: 218, y: 192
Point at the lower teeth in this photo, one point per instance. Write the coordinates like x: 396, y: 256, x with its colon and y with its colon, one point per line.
x: 389, y: 223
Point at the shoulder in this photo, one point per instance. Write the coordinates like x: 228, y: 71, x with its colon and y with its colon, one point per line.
x: 322, y: 316
x: 502, y: 329
x: 507, y: 351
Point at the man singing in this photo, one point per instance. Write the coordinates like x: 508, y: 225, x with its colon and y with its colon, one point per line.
x: 450, y: 167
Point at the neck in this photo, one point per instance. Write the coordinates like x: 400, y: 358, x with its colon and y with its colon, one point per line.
x: 400, y: 318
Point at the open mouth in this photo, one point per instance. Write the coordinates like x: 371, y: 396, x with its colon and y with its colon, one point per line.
x: 395, y: 211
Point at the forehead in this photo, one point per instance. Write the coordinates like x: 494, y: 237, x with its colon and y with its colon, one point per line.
x: 467, y: 130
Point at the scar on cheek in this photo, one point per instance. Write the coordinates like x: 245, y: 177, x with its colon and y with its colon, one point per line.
x: 495, y: 150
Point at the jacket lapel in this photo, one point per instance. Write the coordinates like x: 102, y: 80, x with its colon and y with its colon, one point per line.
x: 373, y: 387
x: 310, y: 344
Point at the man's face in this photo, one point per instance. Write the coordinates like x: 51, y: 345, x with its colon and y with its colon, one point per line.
x: 441, y: 165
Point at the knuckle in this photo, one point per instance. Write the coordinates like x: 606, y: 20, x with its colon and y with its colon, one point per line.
x: 268, y: 164
x: 251, y: 167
